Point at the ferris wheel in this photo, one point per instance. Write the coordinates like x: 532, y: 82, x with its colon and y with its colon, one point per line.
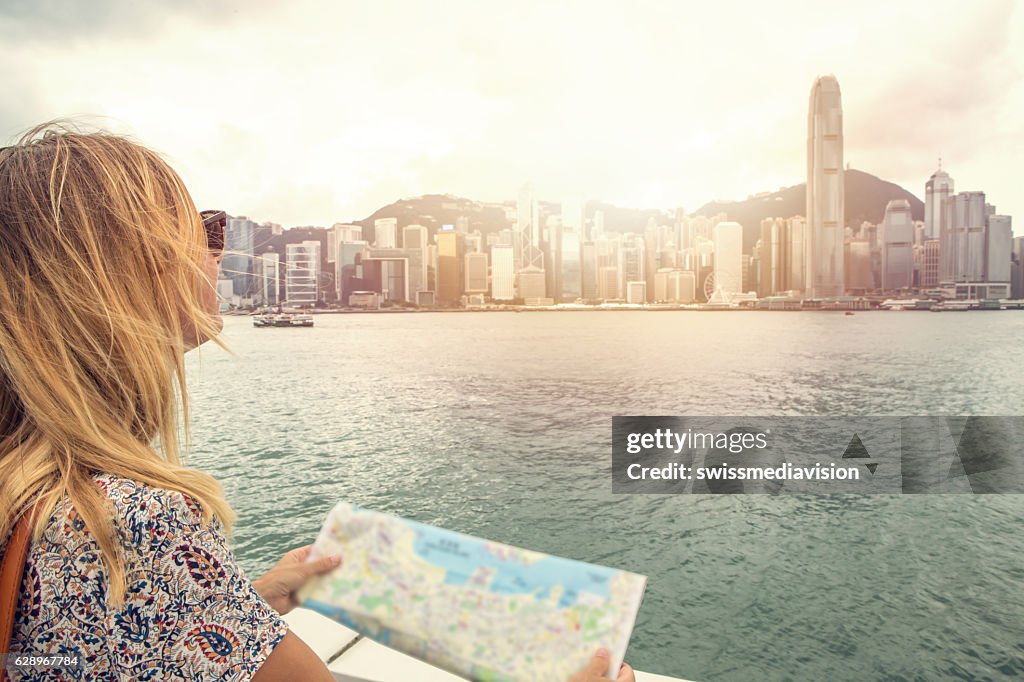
x: 709, y: 285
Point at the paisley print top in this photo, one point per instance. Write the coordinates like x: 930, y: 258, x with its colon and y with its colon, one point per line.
x: 189, y: 612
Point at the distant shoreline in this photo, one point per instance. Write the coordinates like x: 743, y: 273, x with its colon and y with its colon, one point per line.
x: 392, y: 311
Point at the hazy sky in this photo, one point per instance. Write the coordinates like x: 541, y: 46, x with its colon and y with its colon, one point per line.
x: 314, y: 112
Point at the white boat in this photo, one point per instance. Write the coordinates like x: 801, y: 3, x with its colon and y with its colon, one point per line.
x: 955, y: 306
x: 282, y: 320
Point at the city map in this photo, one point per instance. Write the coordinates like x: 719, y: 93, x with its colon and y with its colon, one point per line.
x: 482, y: 610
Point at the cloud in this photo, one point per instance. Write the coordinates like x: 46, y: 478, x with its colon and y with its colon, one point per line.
x: 41, y: 21
x: 321, y: 111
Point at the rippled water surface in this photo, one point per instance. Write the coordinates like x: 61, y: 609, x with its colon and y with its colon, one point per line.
x: 500, y: 425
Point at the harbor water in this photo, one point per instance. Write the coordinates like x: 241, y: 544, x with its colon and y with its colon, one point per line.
x: 499, y: 425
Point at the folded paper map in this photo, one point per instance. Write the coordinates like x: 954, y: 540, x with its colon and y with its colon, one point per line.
x: 480, y: 609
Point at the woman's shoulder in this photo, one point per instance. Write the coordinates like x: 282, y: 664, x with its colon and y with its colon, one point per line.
x: 148, y: 517
x: 135, y: 501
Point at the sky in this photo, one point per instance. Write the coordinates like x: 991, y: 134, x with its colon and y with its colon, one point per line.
x: 312, y: 112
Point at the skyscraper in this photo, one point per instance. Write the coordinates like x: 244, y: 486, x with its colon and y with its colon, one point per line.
x: 570, y: 279
x: 303, y: 273
x: 414, y: 242
x: 728, y: 260
x: 502, y: 273
x: 938, y: 188
x: 476, y: 273
x: 237, y: 264
x: 450, y: 255
x: 825, y: 203
x: 384, y: 232
x: 527, y: 230
x: 897, y: 246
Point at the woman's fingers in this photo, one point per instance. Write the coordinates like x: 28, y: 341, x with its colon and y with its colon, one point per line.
x: 321, y: 565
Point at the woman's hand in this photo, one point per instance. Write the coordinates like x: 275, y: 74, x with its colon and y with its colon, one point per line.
x: 598, y: 668
x: 279, y: 585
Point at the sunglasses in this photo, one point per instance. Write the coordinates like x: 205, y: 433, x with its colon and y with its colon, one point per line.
x: 214, y: 222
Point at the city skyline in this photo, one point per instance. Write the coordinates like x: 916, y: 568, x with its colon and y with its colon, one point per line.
x: 325, y: 112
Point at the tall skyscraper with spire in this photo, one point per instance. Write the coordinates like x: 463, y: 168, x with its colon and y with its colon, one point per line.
x: 938, y: 188
x: 825, y: 201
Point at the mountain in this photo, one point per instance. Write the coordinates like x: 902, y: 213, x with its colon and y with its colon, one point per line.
x: 866, y: 197
x: 434, y: 210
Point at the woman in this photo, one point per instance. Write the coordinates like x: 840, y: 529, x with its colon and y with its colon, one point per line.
x: 107, y: 276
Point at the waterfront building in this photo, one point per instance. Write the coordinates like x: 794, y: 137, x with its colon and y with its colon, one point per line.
x: 930, y: 257
x: 432, y: 268
x: 367, y: 300
x: 631, y: 261
x: 385, y: 236
x: 414, y: 242
x: 526, y: 240
x: 661, y: 287
x: 476, y: 273
x: 239, y: 251
x: 339, y: 233
x: 268, y: 278
x: 963, y: 244
x: 674, y: 285
x: 503, y: 275
x: 999, y: 247
x: 346, y: 269
x: 588, y: 271
x: 897, y: 246
x: 450, y: 255
x: 551, y: 244
x: 531, y: 283
x: 608, y: 283
x: 825, y: 190
x: 391, y: 270
x: 636, y: 292
x: 773, y: 267
x: 936, y: 191
x: 857, y: 268
x: 570, y: 267
x: 728, y: 251
x: 797, y: 229
x: 685, y: 287
x: 1017, y: 270
x: 302, y: 274
x: 977, y: 249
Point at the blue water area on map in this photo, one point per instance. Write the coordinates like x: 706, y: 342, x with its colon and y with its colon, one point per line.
x: 462, y: 555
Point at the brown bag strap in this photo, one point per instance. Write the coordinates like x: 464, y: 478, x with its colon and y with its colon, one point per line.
x: 12, y: 568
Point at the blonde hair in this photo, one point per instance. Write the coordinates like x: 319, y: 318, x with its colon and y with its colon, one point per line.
x: 102, y: 258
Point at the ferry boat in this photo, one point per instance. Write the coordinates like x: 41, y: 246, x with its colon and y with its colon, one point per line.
x: 282, y: 320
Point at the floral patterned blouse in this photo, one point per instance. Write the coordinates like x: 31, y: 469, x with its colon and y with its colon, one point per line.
x: 189, y: 612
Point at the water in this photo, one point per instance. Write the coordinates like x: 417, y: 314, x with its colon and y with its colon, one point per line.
x: 499, y: 425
